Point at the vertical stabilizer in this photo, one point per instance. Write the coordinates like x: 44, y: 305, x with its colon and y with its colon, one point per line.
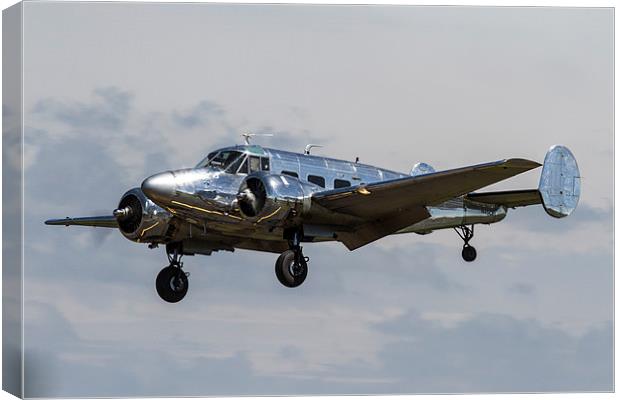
x: 560, y: 182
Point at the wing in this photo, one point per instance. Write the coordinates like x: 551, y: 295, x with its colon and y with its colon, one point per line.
x: 510, y: 198
x: 387, y: 206
x: 106, y: 221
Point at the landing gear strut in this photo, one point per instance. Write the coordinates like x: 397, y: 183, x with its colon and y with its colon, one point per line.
x: 172, y: 282
x: 466, y: 233
x: 292, y: 265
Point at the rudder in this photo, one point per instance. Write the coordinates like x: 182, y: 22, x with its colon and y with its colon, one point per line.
x: 560, y: 182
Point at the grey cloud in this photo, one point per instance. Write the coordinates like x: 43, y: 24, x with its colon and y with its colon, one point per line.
x: 495, y: 353
x: 535, y: 218
x: 109, y: 110
x: 521, y: 288
x: 427, y: 107
x: 199, y: 115
x: 124, y: 369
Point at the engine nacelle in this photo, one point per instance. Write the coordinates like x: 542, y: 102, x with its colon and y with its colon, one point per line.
x: 263, y: 195
x: 141, y: 220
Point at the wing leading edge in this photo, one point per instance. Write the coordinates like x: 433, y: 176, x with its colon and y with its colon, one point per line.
x: 106, y: 221
x: 388, y: 206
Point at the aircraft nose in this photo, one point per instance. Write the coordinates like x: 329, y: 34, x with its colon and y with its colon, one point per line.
x: 159, y: 186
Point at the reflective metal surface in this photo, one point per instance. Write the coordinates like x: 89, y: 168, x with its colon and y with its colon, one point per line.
x: 141, y: 220
x: 421, y: 169
x: 247, y: 197
x: 455, y: 213
x: 560, y: 182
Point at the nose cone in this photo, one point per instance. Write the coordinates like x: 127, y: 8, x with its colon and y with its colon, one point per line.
x: 159, y: 187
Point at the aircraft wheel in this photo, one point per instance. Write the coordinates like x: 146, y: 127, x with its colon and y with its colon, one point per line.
x: 171, y: 284
x: 468, y: 253
x: 288, y: 272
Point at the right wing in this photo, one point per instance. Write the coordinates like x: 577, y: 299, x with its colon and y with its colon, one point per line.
x: 106, y: 221
x: 387, y: 206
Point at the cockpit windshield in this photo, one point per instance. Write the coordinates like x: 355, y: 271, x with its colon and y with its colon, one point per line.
x: 235, y: 162
x: 220, y: 160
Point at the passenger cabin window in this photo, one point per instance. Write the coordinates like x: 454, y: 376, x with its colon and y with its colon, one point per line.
x: 264, y: 161
x: 290, y: 173
x: 317, y: 180
x: 254, y: 164
x: 341, y: 183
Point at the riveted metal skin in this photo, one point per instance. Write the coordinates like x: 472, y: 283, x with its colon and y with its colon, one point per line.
x: 560, y: 182
x: 284, y: 195
x: 422, y: 169
x: 207, y: 208
x: 457, y: 212
x: 210, y: 197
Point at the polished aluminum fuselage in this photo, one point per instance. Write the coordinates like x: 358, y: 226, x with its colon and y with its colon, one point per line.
x: 204, y: 196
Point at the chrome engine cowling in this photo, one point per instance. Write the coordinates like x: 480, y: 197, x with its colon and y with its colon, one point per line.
x: 263, y: 195
x: 141, y: 220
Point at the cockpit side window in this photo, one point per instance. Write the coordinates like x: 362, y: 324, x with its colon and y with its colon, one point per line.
x: 232, y: 169
x: 244, y: 167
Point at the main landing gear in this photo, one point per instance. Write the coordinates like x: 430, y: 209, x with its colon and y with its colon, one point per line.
x: 466, y: 233
x: 172, y: 282
x: 292, y: 265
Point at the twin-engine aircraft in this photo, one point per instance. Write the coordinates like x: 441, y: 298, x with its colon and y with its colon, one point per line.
x: 255, y: 198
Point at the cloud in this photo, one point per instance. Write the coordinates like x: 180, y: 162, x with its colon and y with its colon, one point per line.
x: 199, y: 115
x: 521, y: 288
x: 238, y: 331
x: 494, y: 353
x: 108, y: 111
x: 535, y: 219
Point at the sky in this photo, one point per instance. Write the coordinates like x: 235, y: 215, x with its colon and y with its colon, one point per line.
x: 116, y: 92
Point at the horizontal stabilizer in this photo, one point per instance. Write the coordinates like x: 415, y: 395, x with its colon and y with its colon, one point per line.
x: 106, y: 221
x: 508, y: 198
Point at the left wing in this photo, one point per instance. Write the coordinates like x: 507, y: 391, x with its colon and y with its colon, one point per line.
x: 106, y: 221
x: 388, y: 206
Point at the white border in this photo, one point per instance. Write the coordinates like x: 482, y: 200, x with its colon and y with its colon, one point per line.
x: 518, y: 3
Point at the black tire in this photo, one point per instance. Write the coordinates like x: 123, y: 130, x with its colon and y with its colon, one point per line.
x: 171, y: 284
x: 286, y: 272
x: 468, y: 253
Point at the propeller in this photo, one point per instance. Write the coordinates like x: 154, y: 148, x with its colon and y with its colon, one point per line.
x: 129, y: 213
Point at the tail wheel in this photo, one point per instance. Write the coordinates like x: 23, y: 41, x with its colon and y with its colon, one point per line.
x: 291, y: 273
x: 172, y: 284
x: 468, y: 253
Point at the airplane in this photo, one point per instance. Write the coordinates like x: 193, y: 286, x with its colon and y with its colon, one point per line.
x: 255, y: 198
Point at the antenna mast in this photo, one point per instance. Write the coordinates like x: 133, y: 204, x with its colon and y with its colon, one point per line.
x: 310, y: 146
x: 246, y: 136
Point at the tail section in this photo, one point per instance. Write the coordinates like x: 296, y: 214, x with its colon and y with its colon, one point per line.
x: 558, y: 190
x: 560, y: 182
